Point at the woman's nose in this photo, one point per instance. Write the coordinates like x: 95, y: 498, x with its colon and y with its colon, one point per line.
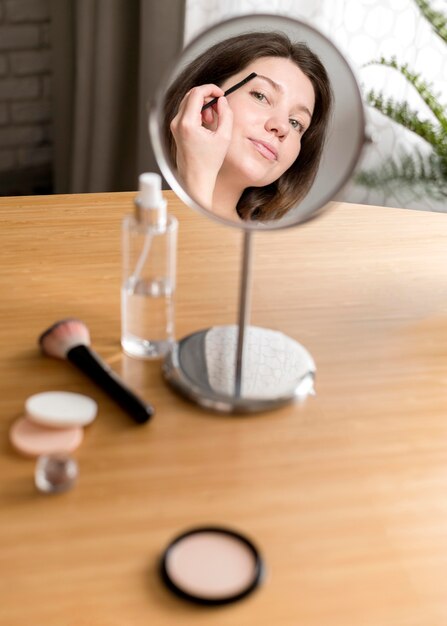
x: 278, y: 124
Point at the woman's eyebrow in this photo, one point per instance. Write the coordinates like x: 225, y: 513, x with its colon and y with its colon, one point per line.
x: 277, y: 87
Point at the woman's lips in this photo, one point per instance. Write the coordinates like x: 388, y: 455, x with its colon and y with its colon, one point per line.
x: 266, y: 150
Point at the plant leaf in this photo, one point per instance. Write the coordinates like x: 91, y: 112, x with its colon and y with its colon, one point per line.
x: 437, y: 19
x: 423, y: 88
x: 401, y: 113
x: 410, y: 170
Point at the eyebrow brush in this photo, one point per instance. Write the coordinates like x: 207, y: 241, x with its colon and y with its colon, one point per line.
x: 230, y: 90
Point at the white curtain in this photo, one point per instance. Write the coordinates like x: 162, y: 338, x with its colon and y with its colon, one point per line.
x: 364, y: 30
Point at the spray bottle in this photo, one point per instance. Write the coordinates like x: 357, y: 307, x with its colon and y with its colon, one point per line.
x: 149, y: 272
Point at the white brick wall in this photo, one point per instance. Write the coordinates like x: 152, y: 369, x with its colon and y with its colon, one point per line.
x: 25, y: 93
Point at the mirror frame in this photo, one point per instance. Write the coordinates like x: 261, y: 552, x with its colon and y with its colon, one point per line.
x: 210, y: 36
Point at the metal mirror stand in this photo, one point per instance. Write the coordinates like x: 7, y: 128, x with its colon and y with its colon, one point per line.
x: 244, y: 310
x: 237, y: 384
x: 242, y: 368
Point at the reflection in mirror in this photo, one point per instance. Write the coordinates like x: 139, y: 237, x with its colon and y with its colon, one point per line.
x: 258, y: 125
x: 269, y: 151
x: 253, y: 154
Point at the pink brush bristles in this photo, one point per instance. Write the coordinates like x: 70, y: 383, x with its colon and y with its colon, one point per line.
x: 57, y: 340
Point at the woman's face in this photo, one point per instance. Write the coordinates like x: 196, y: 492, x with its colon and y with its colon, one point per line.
x: 270, y: 115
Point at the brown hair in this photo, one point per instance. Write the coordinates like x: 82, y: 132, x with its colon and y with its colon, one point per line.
x: 231, y: 56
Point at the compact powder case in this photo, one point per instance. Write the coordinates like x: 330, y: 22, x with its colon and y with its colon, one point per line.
x: 212, y: 566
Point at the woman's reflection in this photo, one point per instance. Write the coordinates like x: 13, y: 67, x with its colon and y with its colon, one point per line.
x: 255, y: 153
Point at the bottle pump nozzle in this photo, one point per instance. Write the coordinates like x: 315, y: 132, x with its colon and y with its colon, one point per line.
x: 150, y: 204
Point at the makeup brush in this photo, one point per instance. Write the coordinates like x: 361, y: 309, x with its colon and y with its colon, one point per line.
x: 230, y: 90
x: 70, y: 339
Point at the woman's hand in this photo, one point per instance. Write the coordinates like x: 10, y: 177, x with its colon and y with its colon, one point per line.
x: 202, y: 140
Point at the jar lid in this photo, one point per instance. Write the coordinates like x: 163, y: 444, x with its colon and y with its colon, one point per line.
x: 211, y: 565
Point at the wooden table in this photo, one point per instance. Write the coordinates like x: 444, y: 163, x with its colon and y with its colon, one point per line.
x: 346, y: 496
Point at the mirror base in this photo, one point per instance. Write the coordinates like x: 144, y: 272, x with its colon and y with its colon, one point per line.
x: 276, y: 370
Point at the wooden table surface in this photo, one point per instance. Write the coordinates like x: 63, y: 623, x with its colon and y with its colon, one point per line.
x: 346, y: 496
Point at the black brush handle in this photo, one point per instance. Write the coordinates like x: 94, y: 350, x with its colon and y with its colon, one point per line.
x: 94, y: 367
x: 230, y: 90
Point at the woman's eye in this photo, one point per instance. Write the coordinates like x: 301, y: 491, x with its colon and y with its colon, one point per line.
x: 296, y: 125
x: 259, y: 96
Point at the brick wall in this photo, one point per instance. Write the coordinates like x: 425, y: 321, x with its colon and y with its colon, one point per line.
x: 25, y: 92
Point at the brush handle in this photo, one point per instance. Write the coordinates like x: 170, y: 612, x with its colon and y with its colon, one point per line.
x: 92, y: 365
x: 230, y: 90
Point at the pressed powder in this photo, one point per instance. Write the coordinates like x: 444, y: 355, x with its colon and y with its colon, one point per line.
x: 212, y: 565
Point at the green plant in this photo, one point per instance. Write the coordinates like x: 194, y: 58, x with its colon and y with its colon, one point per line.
x: 414, y: 168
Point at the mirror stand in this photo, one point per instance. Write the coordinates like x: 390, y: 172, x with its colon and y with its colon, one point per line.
x: 243, y: 368
x: 244, y: 310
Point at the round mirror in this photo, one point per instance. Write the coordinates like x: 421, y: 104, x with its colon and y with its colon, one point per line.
x: 258, y: 125
x: 280, y: 144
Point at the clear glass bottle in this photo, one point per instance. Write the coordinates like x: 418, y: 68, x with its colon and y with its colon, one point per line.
x: 149, y: 273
